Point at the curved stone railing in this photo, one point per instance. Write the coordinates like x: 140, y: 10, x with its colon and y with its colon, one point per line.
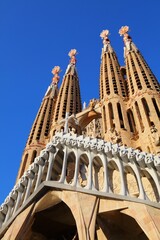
x: 90, y: 165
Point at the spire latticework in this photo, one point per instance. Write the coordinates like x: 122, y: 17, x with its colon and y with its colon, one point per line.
x: 143, y: 92
x: 112, y: 92
x: 69, y: 100
x: 39, y: 133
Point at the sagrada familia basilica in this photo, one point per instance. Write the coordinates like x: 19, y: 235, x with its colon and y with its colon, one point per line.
x: 91, y: 172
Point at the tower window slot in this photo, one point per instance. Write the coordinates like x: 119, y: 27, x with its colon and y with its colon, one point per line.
x: 111, y: 114
x: 34, y: 154
x: 139, y: 116
x: 156, y: 107
x: 131, y: 121
x: 120, y: 115
x: 146, y: 109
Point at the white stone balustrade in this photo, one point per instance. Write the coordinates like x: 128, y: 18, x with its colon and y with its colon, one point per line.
x: 96, y: 158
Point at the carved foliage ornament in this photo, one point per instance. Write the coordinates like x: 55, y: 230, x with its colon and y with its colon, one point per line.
x: 123, y: 30
x: 73, y: 52
x: 104, y: 34
x: 55, y: 71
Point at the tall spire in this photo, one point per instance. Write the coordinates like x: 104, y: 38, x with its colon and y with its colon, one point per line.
x: 112, y: 92
x: 69, y: 101
x: 139, y: 74
x: 143, y: 97
x: 111, y: 79
x: 38, y: 136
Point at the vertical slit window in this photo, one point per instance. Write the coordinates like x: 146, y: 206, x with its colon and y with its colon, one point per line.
x: 105, y: 121
x: 131, y: 121
x: 120, y: 115
x: 146, y: 109
x: 156, y: 107
x: 139, y: 116
x: 111, y: 115
x: 34, y: 154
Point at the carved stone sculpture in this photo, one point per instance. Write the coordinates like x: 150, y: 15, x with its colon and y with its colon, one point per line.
x: 114, y: 136
x: 155, y: 135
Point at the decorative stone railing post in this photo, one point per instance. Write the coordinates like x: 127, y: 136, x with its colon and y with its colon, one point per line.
x: 3, y: 212
x: 115, y: 152
x: 10, y: 203
x: 89, y: 180
x: 64, y: 166
x: 30, y: 175
x: 132, y: 157
x: 40, y: 161
x: 19, y: 188
x: 2, y: 217
x: 51, y: 149
x: 76, y: 173
x: 106, y: 178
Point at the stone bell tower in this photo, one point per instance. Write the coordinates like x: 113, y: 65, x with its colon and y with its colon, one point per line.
x: 130, y: 97
x: 113, y: 95
x: 143, y: 92
x: 40, y: 130
x: 69, y: 100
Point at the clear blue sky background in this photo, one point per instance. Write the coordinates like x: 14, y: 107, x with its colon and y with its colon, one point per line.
x: 36, y: 35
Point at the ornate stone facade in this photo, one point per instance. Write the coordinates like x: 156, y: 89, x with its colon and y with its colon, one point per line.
x: 92, y: 173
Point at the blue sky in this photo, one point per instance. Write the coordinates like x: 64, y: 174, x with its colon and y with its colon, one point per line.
x: 37, y: 35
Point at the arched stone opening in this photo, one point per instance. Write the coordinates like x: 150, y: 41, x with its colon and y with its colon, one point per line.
x: 56, y: 222
x: 57, y: 166
x: 114, y: 177
x: 83, y: 170
x: 98, y: 173
x: 114, y: 225
x: 149, y: 187
x: 34, y: 154
x: 71, y: 162
x: 131, y: 182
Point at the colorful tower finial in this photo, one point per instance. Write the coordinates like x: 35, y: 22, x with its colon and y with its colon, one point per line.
x: 56, y: 70
x: 72, y: 54
x: 123, y: 30
x: 71, y: 69
x: 126, y: 38
x: 104, y: 35
x: 129, y: 45
x: 106, y: 42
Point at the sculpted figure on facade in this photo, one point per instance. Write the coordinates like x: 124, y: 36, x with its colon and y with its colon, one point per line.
x: 155, y: 135
x: 98, y: 128
x: 115, y: 136
x: 83, y: 174
x: 92, y: 103
x: 84, y: 132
